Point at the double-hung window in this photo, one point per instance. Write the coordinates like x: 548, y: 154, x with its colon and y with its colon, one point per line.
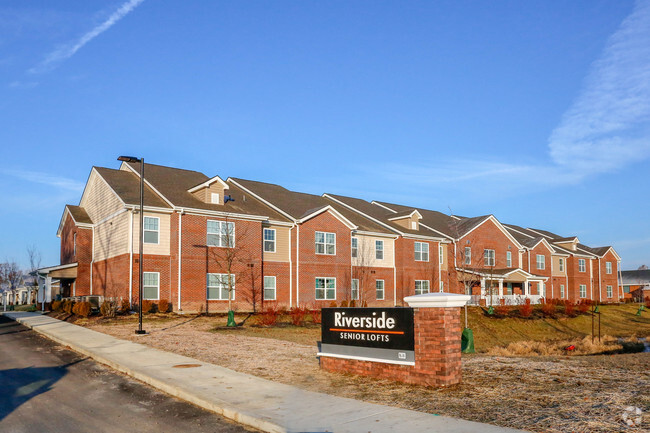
x: 421, y: 287
x: 610, y: 293
x: 583, y: 290
x: 354, y: 295
x: 269, y: 240
x: 582, y: 266
x: 151, y: 230
x: 440, y: 255
x: 561, y: 291
x: 379, y: 286
x: 150, y: 285
x: 541, y: 261
x: 325, y: 288
x: 421, y: 252
x: 379, y: 250
x: 561, y: 260
x: 508, y: 259
x: 221, y: 234
x: 468, y: 255
x: 355, y: 247
x: 218, y: 286
x: 269, y: 288
x: 608, y: 267
x: 488, y: 257
x: 326, y: 243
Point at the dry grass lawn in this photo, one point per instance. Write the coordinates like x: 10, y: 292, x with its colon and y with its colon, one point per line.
x: 537, y: 393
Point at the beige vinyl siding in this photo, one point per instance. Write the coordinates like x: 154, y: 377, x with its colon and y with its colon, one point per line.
x: 205, y: 194
x: 164, y: 232
x: 111, y: 237
x: 366, y: 252
x: 556, y: 266
x: 99, y: 200
x: 282, y: 253
x: 407, y: 222
x: 445, y: 256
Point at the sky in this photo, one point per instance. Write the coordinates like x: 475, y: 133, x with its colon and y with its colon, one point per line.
x: 535, y: 112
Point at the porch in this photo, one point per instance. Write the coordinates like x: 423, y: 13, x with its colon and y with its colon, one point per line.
x: 506, y: 286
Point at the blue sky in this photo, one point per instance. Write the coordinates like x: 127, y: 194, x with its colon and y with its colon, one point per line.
x: 536, y: 112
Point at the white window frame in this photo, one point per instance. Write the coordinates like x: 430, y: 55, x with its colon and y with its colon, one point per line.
x: 540, y: 260
x: 214, y: 198
x: 378, y: 290
x: 325, y: 289
x: 582, y: 265
x: 608, y: 267
x: 221, y: 286
x: 422, y: 246
x: 421, y: 284
x: 468, y: 255
x: 220, y: 235
x: 561, y: 261
x: 561, y: 291
x: 583, y: 290
x: 379, y: 249
x: 270, y: 278
x: 489, y: 259
x: 442, y: 286
x: 508, y: 259
x: 440, y: 255
x: 354, y: 247
x: 414, y: 225
x: 325, y: 244
x: 271, y: 241
x: 145, y: 230
x: 354, y: 289
x: 610, y: 292
x: 74, y: 244
x: 145, y: 286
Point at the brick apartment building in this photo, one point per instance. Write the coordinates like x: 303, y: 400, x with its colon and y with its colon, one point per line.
x: 203, y: 235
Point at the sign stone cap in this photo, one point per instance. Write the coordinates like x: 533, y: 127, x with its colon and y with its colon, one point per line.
x: 437, y: 300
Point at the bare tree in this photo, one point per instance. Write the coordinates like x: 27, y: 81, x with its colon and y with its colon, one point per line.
x: 10, y: 277
x: 254, y: 292
x: 34, y: 257
x: 362, y: 267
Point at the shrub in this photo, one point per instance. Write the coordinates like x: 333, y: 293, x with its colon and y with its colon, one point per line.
x: 82, y: 309
x: 269, y: 316
x: 526, y: 310
x: 647, y: 302
x: 364, y: 305
x: 502, y: 310
x: 353, y: 304
x: 125, y: 306
x: 57, y: 306
x: 583, y: 307
x: 548, y: 309
x: 316, y: 316
x: 108, y: 309
x: 333, y: 304
x: 344, y: 303
x: 569, y: 308
x: 147, y: 306
x: 163, y: 306
x: 298, y: 315
x: 67, y: 306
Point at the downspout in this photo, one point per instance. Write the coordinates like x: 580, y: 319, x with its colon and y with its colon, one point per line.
x: 291, y: 268
x: 394, y: 275
x: 591, y: 279
x: 552, y: 292
x: 440, y: 261
x: 180, y: 251
x: 131, y: 257
x: 92, y: 259
x: 620, y: 281
x: 297, y: 265
x: 600, y: 286
x: 529, y: 263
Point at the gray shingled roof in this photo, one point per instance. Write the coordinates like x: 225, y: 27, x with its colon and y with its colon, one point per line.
x: 79, y: 214
x: 127, y: 186
x: 636, y: 277
x: 436, y: 220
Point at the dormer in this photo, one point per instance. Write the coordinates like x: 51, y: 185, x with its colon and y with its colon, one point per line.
x: 408, y: 219
x: 570, y: 243
x: 211, y: 191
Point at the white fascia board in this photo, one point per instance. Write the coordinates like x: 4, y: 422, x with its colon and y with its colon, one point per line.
x: 363, y: 214
x: 105, y: 183
x: 266, y: 202
x: 437, y: 300
x: 541, y: 234
x: 279, y: 223
x: 62, y: 222
x: 616, y: 256
x: 376, y: 234
x: 381, y: 205
x: 56, y: 268
x: 438, y: 231
x: 209, y: 182
x: 149, y: 184
x: 499, y: 226
x: 334, y: 212
x: 586, y: 253
x: 415, y: 212
x: 518, y: 231
x: 152, y: 208
x: 423, y: 237
x: 205, y: 212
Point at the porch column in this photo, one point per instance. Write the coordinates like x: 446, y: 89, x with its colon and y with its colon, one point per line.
x: 482, y: 287
x: 500, y: 289
x: 526, y: 291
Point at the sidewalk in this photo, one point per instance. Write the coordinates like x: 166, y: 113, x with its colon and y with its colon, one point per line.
x: 249, y: 400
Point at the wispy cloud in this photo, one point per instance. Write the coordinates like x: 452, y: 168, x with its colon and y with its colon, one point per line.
x: 46, y: 179
x: 23, y: 84
x: 66, y: 51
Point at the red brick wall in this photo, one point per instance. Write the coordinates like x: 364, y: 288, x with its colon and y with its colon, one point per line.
x: 601, y: 276
x: 541, y: 249
x: 83, y: 254
x: 576, y: 278
x: 409, y: 270
x: 437, y: 353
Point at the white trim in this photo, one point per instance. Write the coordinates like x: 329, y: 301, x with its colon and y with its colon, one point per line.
x: 230, y: 236
x: 264, y: 240
x: 180, y: 255
x: 325, y: 288
x: 131, y: 257
x: 499, y: 226
x: 266, y: 202
x: 518, y: 231
x: 334, y: 212
x: 376, y: 203
x: 148, y: 183
x: 214, y: 213
x: 437, y: 300
x: 415, y: 252
x: 279, y: 223
x: 363, y: 358
x: 379, y: 242
x: 143, y: 287
x: 324, y: 253
x: 383, y: 289
x: 275, y: 288
x: 363, y: 214
x: 439, y: 232
x: 209, y: 182
x: 230, y: 297
x: 157, y: 231
x: 415, y: 284
x: 414, y: 212
x: 49, y: 269
x: 381, y: 235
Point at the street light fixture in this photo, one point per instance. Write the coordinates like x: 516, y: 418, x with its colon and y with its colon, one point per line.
x: 133, y: 159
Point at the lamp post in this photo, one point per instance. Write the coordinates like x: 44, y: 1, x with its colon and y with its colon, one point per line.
x: 139, y: 331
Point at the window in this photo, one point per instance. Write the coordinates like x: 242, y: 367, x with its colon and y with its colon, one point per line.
x: 442, y: 286
x: 440, y: 254
x: 561, y: 264
x: 325, y: 289
x: 325, y: 243
x: 74, y: 244
x: 150, y: 285
x: 214, y: 197
x: 221, y: 234
x: 561, y: 290
x: 541, y: 261
x: 608, y: 267
x: 421, y: 252
x: 151, y: 225
x: 508, y: 259
x: 218, y: 286
x: 421, y: 287
x: 355, y: 290
x: 488, y: 257
x: 509, y: 289
x: 414, y: 225
x: 379, y: 250
x: 582, y: 267
x: 583, y: 290
x: 269, y: 241
x: 355, y: 248
x: 626, y: 289
x: 610, y: 293
x: 468, y: 255
x: 269, y: 288
x: 379, y: 286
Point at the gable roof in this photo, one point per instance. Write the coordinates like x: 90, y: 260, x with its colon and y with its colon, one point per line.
x: 434, y: 220
x: 635, y: 277
x: 127, y: 187
x: 79, y: 214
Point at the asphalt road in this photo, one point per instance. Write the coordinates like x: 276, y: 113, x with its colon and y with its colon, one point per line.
x: 45, y: 387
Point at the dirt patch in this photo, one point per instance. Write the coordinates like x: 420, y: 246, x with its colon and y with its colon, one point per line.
x: 544, y: 393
